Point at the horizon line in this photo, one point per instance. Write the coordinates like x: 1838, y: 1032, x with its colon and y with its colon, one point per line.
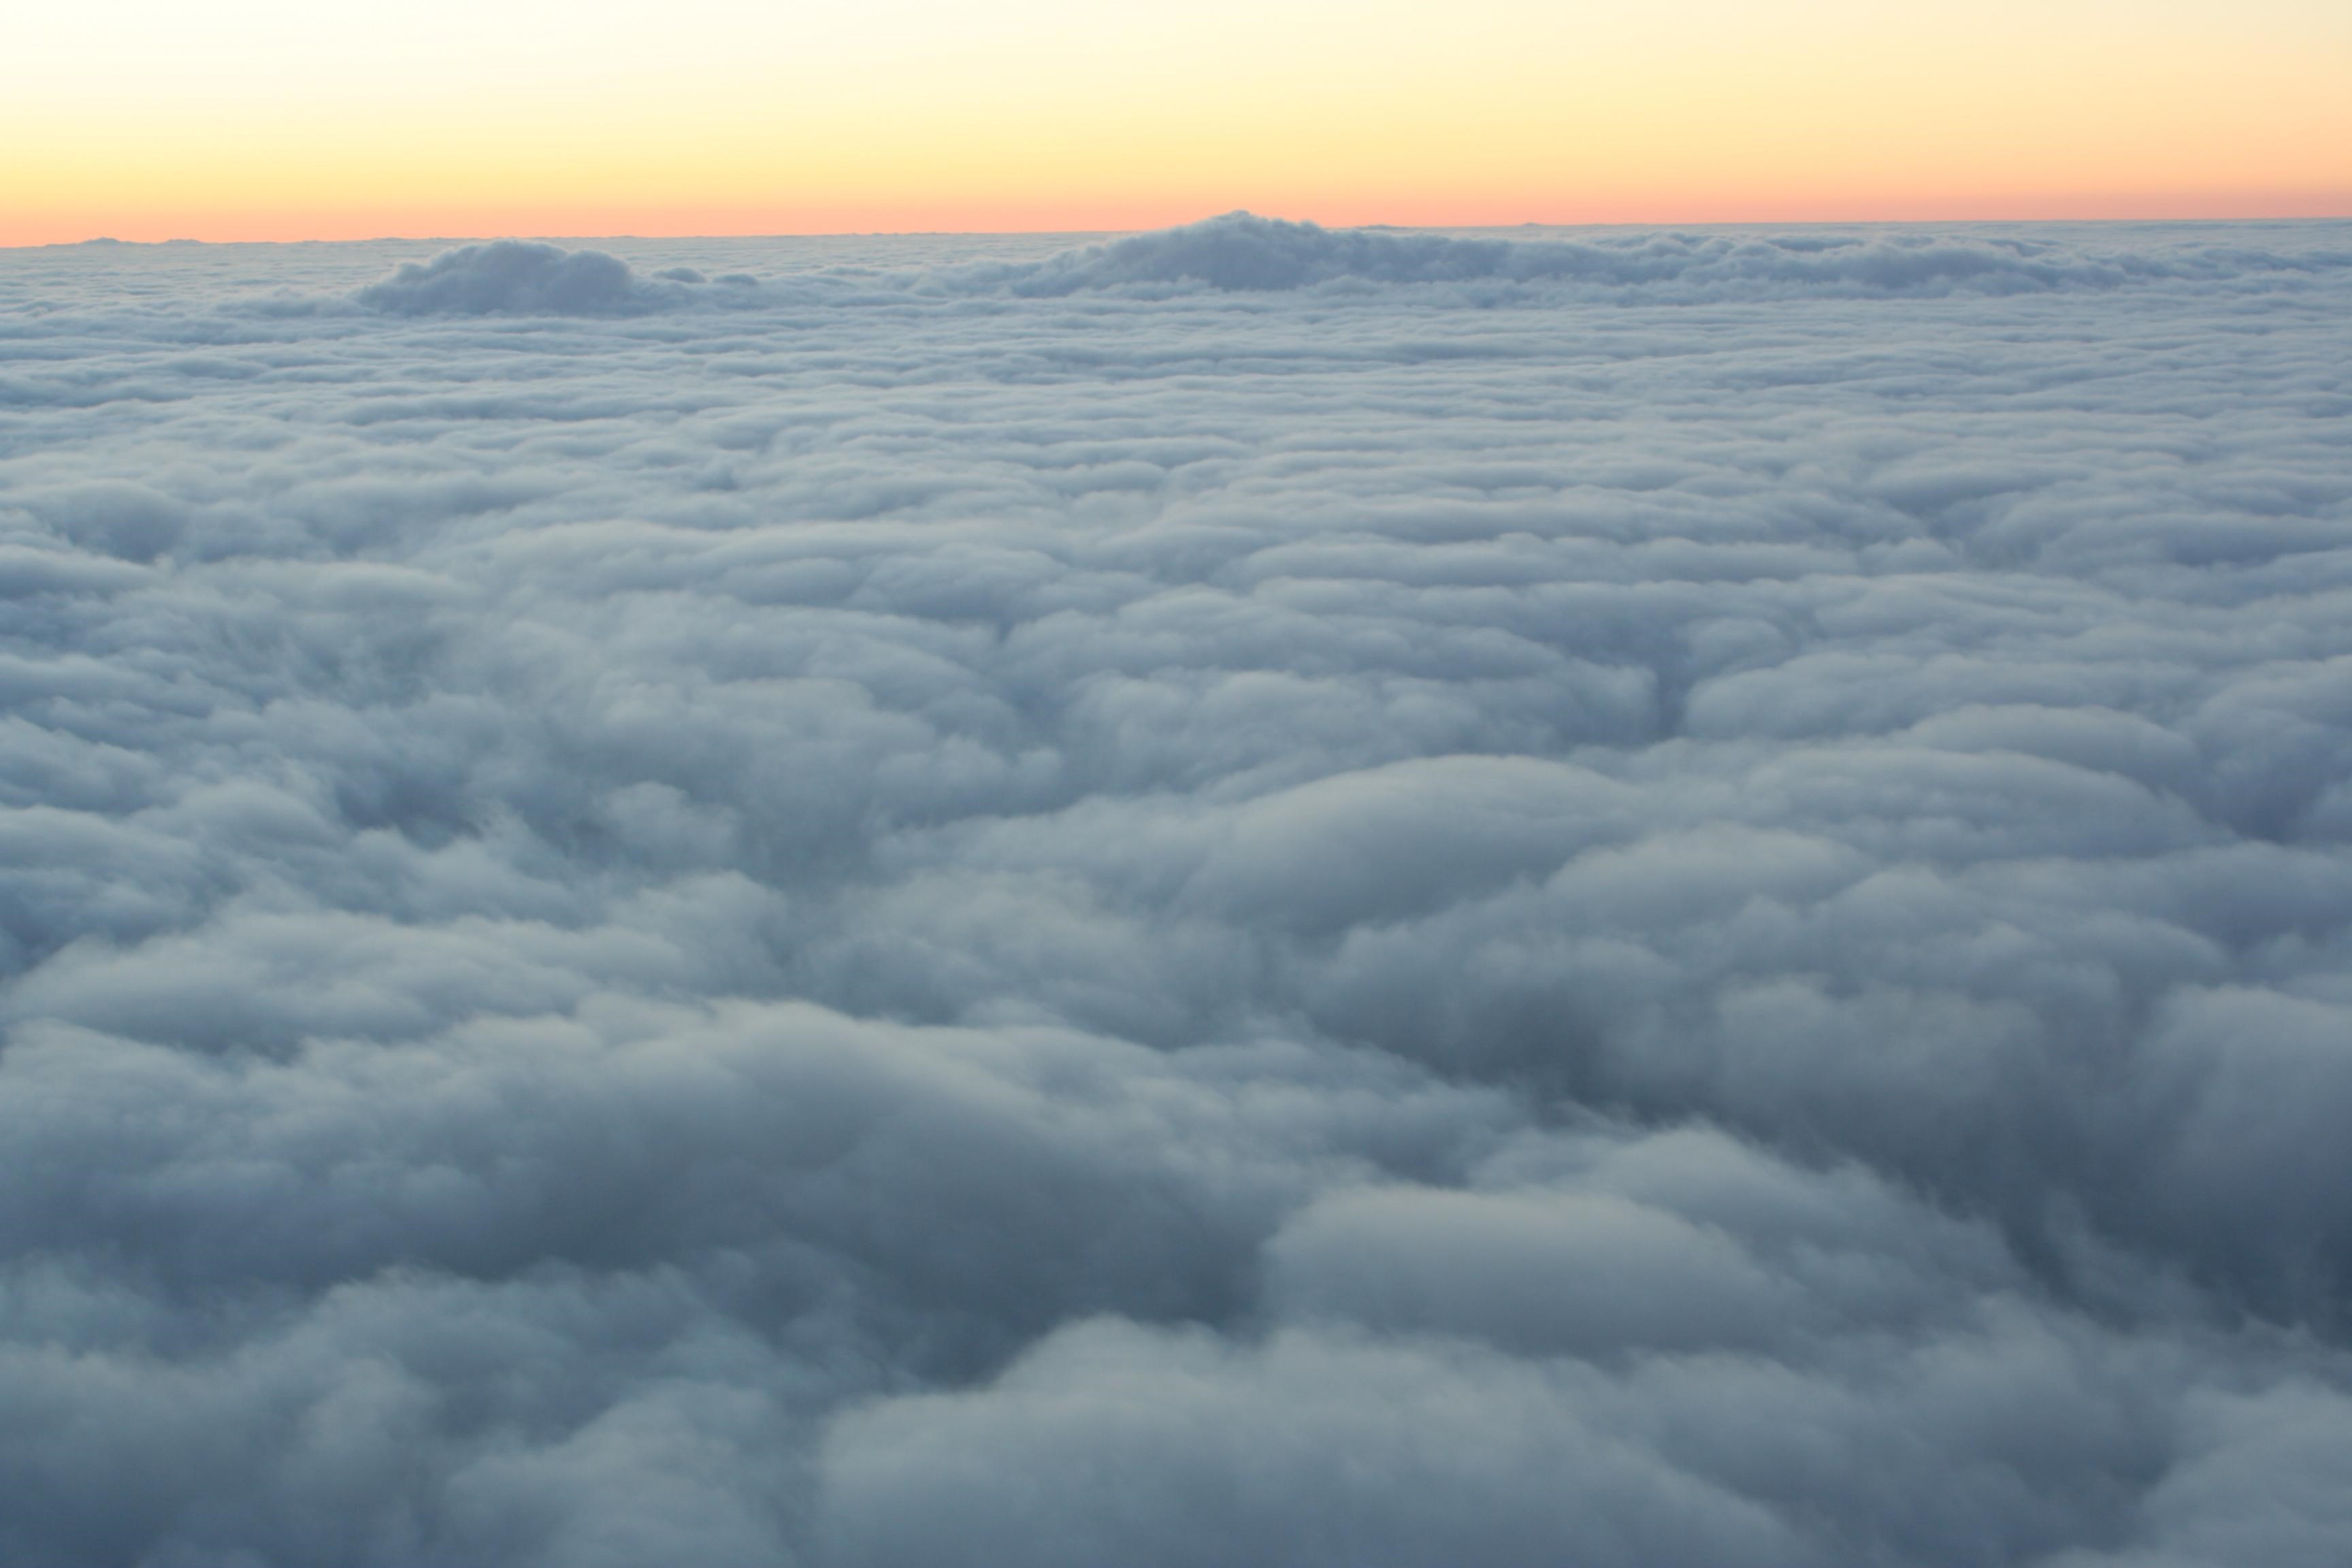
x: 470, y: 235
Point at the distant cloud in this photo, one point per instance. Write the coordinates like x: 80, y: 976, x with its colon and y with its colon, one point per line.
x: 514, y: 278
x: 1241, y: 251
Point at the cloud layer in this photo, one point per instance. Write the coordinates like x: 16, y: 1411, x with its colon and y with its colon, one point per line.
x: 1244, y: 253
x: 1246, y: 896
x: 1241, y: 250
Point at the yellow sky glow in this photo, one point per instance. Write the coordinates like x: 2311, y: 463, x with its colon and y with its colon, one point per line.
x: 271, y: 119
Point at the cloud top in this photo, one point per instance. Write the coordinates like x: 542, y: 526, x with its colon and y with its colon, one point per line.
x: 1241, y: 251
x: 1253, y: 896
x: 513, y: 277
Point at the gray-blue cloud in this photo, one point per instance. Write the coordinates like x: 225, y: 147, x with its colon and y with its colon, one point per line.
x: 517, y: 277
x: 1244, y: 253
x: 1241, y: 250
x: 1253, y: 895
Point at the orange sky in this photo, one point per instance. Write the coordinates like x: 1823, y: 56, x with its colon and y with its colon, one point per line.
x: 273, y: 120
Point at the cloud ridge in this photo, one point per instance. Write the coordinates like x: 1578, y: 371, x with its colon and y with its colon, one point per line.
x: 1240, y: 252
x: 514, y: 277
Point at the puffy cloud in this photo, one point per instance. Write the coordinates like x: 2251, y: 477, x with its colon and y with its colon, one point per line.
x: 517, y: 277
x: 1255, y: 895
x: 1243, y: 251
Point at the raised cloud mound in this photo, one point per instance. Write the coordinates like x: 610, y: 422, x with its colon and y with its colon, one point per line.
x: 514, y: 277
x: 1243, y: 251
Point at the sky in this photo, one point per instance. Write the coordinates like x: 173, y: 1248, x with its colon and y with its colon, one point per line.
x: 1249, y: 897
x: 286, y: 120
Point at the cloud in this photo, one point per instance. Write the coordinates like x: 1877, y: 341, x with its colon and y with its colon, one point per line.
x: 515, y: 278
x: 1255, y: 895
x: 1239, y: 252
x: 1243, y: 251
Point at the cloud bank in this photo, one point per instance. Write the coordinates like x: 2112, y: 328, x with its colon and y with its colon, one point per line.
x: 1248, y: 895
x: 515, y: 278
x: 1241, y: 252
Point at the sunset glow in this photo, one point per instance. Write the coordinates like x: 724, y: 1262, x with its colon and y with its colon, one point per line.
x: 270, y: 120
